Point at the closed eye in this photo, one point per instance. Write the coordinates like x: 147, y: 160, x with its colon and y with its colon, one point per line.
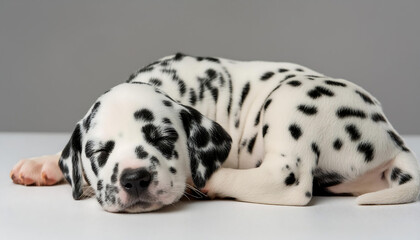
x: 101, y: 151
x: 155, y: 135
x: 91, y: 148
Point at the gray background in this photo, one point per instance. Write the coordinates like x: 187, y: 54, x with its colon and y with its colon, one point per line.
x: 56, y: 57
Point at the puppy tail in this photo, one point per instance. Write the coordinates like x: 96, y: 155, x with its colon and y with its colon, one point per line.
x: 404, y: 183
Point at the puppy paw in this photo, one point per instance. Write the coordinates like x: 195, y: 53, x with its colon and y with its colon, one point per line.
x: 39, y: 171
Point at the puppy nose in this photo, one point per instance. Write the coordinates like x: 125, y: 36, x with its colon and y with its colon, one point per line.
x: 135, y: 181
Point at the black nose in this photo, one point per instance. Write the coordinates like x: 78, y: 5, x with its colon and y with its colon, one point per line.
x: 135, y: 181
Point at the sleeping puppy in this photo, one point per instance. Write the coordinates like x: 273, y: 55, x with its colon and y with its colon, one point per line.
x: 262, y: 132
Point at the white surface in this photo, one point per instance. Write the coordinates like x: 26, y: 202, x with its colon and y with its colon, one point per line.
x: 51, y: 213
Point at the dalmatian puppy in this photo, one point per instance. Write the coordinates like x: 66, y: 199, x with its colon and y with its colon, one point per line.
x: 261, y: 132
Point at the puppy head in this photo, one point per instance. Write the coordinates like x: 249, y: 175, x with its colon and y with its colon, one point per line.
x: 136, y: 147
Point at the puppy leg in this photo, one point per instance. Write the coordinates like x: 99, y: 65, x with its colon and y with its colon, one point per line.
x: 281, y: 179
x: 40, y: 171
x: 403, y: 178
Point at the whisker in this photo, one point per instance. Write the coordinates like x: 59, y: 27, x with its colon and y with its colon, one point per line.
x: 195, y: 190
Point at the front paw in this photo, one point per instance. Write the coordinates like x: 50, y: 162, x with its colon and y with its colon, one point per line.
x: 41, y: 171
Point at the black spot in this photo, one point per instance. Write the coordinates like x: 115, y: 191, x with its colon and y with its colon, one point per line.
x: 377, y: 117
x: 299, y: 69
x: 344, y: 112
x: 179, y: 56
x: 182, y: 87
x: 294, y: 83
x: 244, y: 94
x: 211, y: 73
x: 267, y: 76
x: 140, y: 153
x: 88, y: 120
x: 193, y: 97
x: 154, y: 161
x: 308, y: 194
x: 317, y: 152
x: 337, y: 144
x: 257, y: 119
x: 89, y: 150
x: 214, y: 93
x: 211, y: 59
x: 397, y: 140
x: 308, y: 110
x: 100, y: 185
x: 367, y: 149
x: 162, y: 139
x: 258, y: 163
x: 189, y: 118
x: 267, y: 103
x: 252, y: 143
x: 295, y: 131
x: 264, y: 130
x: 290, y: 180
x: 155, y: 81
x: 200, y: 136
x: 167, y: 121
x: 354, y: 133
x: 172, y: 170
x: 114, y: 175
x: 145, y: 69
x: 397, y: 174
x: 94, y: 168
x: 230, y: 91
x: 365, y: 97
x: 104, y: 153
x: 175, y: 77
x: 314, y: 76
x: 144, y: 114
x: 175, y: 154
x: 237, y: 123
x: 405, y: 178
x: 319, y: 91
x: 282, y: 70
x: 289, y: 76
x: 131, y: 77
x: 167, y: 103
x: 335, y: 83
x: 110, y: 192
x: 314, y: 94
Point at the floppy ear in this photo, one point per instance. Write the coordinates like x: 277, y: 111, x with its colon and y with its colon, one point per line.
x: 208, y: 144
x: 70, y: 162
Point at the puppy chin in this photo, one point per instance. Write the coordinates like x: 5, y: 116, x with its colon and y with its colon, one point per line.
x: 135, y: 208
x: 141, y: 209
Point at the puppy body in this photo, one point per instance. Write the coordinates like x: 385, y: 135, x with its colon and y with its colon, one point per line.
x: 262, y: 132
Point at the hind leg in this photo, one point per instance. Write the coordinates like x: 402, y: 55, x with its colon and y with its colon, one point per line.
x: 281, y: 179
x: 40, y: 171
x: 285, y: 176
x: 403, y: 179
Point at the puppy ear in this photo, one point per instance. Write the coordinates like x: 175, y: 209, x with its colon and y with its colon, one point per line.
x: 70, y: 162
x: 208, y: 144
